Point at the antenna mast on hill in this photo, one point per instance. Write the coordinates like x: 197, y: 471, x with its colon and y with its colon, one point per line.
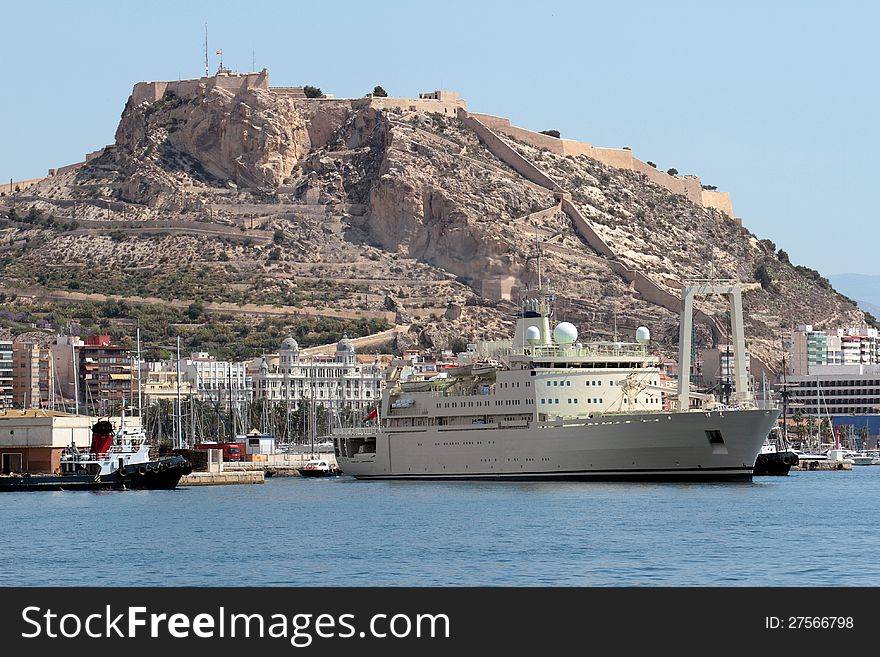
x: 206, y: 50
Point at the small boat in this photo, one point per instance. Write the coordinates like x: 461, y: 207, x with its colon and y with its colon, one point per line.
x: 810, y: 456
x: 862, y: 458
x: 116, y: 460
x: 319, y: 468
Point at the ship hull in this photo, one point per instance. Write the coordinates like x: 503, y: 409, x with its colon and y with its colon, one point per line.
x: 694, y: 446
x: 163, y: 474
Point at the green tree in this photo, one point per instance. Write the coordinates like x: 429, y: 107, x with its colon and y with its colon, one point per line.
x: 379, y: 92
x: 278, y: 238
x: 196, y: 309
x: 458, y: 345
x: 313, y: 92
x: 551, y: 133
x: 763, y: 276
x: 672, y: 172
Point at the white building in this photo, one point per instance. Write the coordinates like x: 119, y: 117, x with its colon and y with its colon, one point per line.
x: 837, y: 390
x: 216, y: 380
x: 333, y: 381
x: 6, y: 374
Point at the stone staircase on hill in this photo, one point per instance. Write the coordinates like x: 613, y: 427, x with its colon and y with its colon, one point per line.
x: 641, y: 283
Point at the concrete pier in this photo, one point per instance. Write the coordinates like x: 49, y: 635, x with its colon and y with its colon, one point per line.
x: 822, y: 465
x: 225, y: 478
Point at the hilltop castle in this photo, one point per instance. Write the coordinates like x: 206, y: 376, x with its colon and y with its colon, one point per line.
x: 448, y: 103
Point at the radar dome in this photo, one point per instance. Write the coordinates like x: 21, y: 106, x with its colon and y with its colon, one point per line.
x: 643, y: 335
x: 533, y: 335
x: 565, y: 333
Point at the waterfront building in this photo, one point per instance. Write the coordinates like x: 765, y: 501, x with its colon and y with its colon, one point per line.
x: 6, y: 396
x: 159, y: 382
x: 334, y: 381
x: 216, y: 380
x: 837, y: 390
x: 32, y: 379
x: 104, y: 374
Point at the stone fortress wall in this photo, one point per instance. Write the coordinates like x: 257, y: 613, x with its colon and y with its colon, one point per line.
x: 234, y: 82
x: 619, y: 158
x: 440, y: 101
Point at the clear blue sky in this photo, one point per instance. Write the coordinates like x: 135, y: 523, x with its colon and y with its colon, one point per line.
x: 774, y: 102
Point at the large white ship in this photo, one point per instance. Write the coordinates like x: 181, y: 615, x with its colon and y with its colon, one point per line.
x: 546, y: 407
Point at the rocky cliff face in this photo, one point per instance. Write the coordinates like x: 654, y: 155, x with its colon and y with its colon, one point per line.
x: 293, y: 201
x: 251, y: 139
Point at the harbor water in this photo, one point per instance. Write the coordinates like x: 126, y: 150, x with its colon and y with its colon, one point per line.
x: 810, y: 528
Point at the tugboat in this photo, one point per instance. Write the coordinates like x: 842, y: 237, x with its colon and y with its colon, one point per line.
x: 116, y: 460
x: 775, y: 458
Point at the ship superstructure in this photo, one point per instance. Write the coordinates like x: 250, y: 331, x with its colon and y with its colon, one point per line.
x: 545, y: 406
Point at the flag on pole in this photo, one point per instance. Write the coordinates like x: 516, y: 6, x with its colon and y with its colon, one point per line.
x: 219, y: 52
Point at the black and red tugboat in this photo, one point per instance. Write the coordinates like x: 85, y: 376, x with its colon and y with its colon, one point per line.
x: 116, y: 460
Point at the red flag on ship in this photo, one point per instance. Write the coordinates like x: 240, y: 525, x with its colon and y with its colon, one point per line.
x: 373, y: 413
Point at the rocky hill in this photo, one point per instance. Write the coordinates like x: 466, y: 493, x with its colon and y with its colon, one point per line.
x: 386, y: 215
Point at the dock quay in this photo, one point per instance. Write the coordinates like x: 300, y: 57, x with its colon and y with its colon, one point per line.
x: 278, y: 465
x: 820, y: 464
x: 225, y: 478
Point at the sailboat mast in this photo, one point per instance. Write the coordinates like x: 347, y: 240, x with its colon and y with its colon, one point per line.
x: 140, y: 388
x: 75, y: 374
x: 179, y: 417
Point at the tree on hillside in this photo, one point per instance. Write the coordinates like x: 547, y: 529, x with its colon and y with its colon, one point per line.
x: 313, y: 92
x: 195, y: 310
x: 551, y: 133
x: 380, y: 92
x: 651, y: 164
x: 672, y: 172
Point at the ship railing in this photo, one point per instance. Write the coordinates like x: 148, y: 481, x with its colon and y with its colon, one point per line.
x: 593, y: 350
x: 355, y: 431
x: 500, y: 348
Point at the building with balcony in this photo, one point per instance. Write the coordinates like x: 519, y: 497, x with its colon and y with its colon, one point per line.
x: 6, y: 392
x: 216, y: 380
x: 334, y: 381
x: 32, y: 375
x: 105, y: 375
x: 837, y: 390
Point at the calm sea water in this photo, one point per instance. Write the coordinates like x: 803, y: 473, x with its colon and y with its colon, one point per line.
x: 810, y: 528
